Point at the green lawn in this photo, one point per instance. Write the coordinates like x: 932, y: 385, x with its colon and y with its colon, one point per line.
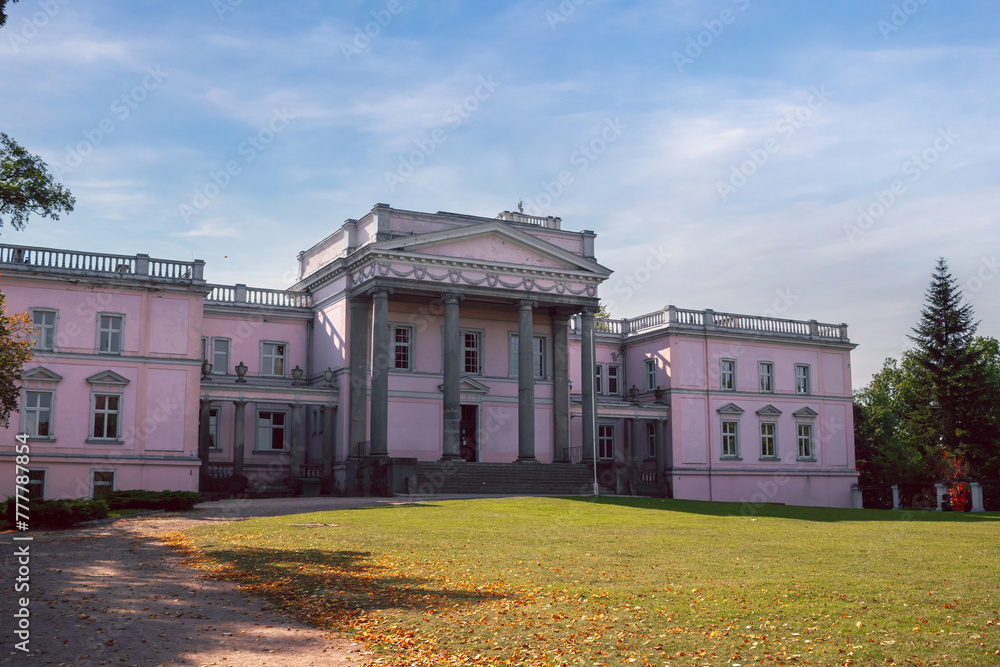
x: 545, y: 581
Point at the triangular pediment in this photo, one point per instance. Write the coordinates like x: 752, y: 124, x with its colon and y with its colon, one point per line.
x: 40, y: 374
x: 730, y: 409
x: 806, y: 413
x: 108, y: 377
x: 467, y: 385
x: 492, y: 243
x: 769, y: 411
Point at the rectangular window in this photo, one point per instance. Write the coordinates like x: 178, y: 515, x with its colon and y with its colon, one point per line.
x: 606, y: 441
x: 204, y: 348
x: 213, y: 428
x: 538, y: 355
x: 650, y: 441
x: 598, y: 378
x: 650, y: 367
x: 765, y: 371
x: 109, y: 334
x: 44, y: 324
x: 402, y: 340
x: 727, y: 374
x: 272, y: 359
x: 220, y: 356
x: 36, y: 485
x: 38, y: 413
x: 271, y: 431
x: 607, y: 379
x: 316, y: 420
x: 614, y: 370
x: 801, y: 379
x: 805, y: 433
x: 730, y: 439
x: 767, y: 440
x: 472, y: 352
x: 107, y: 411
x: 102, y: 483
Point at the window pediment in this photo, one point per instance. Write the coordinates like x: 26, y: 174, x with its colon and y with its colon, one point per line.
x: 731, y: 409
x: 40, y: 374
x: 108, y: 377
x: 806, y: 413
x: 769, y: 411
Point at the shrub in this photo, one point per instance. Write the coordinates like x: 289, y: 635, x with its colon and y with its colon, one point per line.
x: 58, y: 513
x: 170, y: 501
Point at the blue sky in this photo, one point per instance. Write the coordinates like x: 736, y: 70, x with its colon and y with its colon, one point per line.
x: 806, y: 160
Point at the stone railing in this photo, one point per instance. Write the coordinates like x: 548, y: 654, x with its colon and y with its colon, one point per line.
x: 258, y: 296
x: 709, y: 320
x: 140, y: 266
x: 549, y: 222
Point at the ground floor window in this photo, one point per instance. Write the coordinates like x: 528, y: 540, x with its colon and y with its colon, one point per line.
x: 606, y: 441
x: 768, y: 448
x: 730, y: 439
x: 102, y: 483
x: 271, y: 430
x: 213, y: 428
x: 805, y: 433
x: 36, y: 485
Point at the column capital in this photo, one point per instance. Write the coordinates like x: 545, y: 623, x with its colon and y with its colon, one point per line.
x: 526, y: 303
x: 240, y: 401
x: 589, y: 312
x: 452, y: 297
x: 381, y: 291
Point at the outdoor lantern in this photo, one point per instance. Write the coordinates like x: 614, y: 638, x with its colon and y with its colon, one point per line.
x: 206, y: 370
x: 241, y: 370
x: 296, y: 375
x: 634, y: 393
x: 328, y: 376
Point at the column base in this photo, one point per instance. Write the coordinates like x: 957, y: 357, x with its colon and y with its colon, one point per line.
x: 452, y: 457
x: 526, y: 459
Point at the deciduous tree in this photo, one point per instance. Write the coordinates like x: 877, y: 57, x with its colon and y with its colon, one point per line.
x: 15, y: 350
x: 27, y: 187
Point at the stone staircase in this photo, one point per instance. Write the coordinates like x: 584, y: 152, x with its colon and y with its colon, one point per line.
x: 570, y: 479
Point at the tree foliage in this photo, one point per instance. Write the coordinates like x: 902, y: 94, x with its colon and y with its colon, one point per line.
x: 15, y: 350
x: 27, y: 187
x: 3, y: 11
x: 939, y: 407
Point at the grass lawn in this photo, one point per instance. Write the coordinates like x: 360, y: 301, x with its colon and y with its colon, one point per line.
x: 547, y: 581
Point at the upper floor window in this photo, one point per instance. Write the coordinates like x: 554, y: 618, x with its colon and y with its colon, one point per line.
x: 472, y: 342
x: 765, y: 371
x: 607, y: 379
x: 38, y: 413
x: 537, y: 355
x: 272, y: 359
x: 650, y: 368
x: 44, y: 324
x: 801, y: 379
x: 109, y: 333
x: 727, y: 374
x: 402, y: 345
x: 220, y: 356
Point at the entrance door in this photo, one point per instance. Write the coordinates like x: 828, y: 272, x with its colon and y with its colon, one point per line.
x: 467, y: 429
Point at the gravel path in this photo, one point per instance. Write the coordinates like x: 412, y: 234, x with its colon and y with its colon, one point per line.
x: 112, y: 594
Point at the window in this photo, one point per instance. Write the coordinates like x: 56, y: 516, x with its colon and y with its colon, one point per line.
x: 472, y: 348
x: 538, y: 356
x: 38, y: 413
x: 44, y: 324
x: 650, y: 441
x: 204, y: 349
x: 650, y: 367
x: 36, y: 485
x: 213, y: 429
x: 805, y: 437
x: 765, y: 371
x: 220, y: 356
x: 730, y: 440
x: 109, y: 334
x: 727, y: 374
x: 272, y: 359
x: 598, y: 375
x: 102, y: 483
x: 801, y: 379
x: 768, y: 446
x: 107, y: 410
x: 606, y: 441
x: 402, y: 340
x: 607, y: 379
x: 271, y: 431
x: 614, y: 370
x: 316, y: 420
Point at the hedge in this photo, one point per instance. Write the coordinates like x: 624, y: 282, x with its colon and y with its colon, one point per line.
x: 170, y: 501
x: 57, y: 513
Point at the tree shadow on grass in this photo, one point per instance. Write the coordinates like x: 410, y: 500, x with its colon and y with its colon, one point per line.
x: 798, y: 512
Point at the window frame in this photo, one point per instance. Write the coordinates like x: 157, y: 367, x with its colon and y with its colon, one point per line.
x: 117, y: 439
x: 396, y: 345
x: 26, y: 409
x: 33, y: 482
x: 803, y: 381
x: 52, y: 329
x: 283, y: 358
x: 539, y: 357
x: 214, y: 422
x: 772, y: 437
x: 730, y: 374
x: 650, y: 440
x: 602, y: 440
x: 650, y: 367
x: 478, y: 349
x: 733, y: 455
x: 810, y: 455
x: 257, y: 448
x: 215, y: 353
x: 599, y: 379
x: 93, y: 481
x: 765, y: 370
x: 121, y: 334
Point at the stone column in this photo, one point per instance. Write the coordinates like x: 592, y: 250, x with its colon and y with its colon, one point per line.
x: 452, y: 367
x: 587, y: 373
x: 661, y: 449
x: 204, y: 434
x: 977, y: 497
x: 857, y: 500
x: 560, y: 387
x: 895, y: 496
x: 328, y: 441
x: 381, y: 356
x: 525, y: 382
x: 941, y: 490
x: 358, y: 428
x: 239, y: 437
x: 638, y: 442
x: 297, y: 442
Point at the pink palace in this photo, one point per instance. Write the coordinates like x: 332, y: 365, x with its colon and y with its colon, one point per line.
x: 400, y: 363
